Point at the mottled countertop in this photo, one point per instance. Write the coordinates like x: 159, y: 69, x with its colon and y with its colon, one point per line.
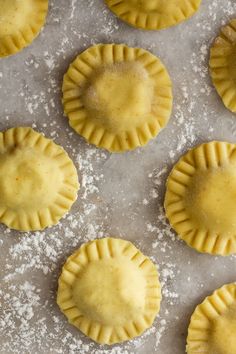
x: 121, y: 195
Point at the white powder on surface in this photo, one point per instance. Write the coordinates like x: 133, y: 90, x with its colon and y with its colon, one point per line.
x: 120, y: 196
x: 28, y: 314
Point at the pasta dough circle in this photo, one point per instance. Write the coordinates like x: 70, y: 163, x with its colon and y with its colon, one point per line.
x: 200, y: 199
x: 213, y: 323
x: 153, y: 14
x: 109, y: 290
x: 20, y: 23
x: 116, y: 97
x: 38, y: 181
x: 223, y: 67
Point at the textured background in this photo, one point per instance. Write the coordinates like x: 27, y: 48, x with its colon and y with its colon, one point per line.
x: 121, y: 195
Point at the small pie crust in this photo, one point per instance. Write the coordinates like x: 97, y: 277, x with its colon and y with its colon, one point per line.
x: 213, y: 324
x: 109, y: 290
x: 223, y: 67
x: 38, y: 180
x: 200, y: 200
x: 20, y: 23
x: 116, y: 97
x: 153, y: 14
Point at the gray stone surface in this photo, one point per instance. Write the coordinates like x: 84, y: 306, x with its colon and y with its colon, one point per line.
x: 121, y: 195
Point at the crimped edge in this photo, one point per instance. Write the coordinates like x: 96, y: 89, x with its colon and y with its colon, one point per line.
x: 76, y: 76
x: 14, y: 43
x: 93, y: 251
x: 222, y: 79
x: 211, y: 308
x: 204, y: 156
x: 38, y: 220
x: 152, y: 21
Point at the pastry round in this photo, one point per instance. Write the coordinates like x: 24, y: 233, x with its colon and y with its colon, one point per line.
x: 213, y: 324
x: 38, y: 180
x: 223, y: 67
x: 20, y: 23
x: 154, y: 14
x: 109, y: 290
x: 200, y: 200
x: 116, y: 97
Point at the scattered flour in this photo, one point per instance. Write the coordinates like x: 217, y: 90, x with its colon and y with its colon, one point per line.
x: 30, y: 263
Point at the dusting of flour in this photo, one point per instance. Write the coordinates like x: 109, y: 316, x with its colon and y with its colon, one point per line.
x: 120, y: 195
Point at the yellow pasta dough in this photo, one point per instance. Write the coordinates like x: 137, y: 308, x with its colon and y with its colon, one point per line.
x: 117, y: 97
x: 223, y: 67
x: 213, y: 324
x: 20, y: 23
x: 153, y: 14
x: 200, y: 199
x: 38, y: 181
x: 109, y: 290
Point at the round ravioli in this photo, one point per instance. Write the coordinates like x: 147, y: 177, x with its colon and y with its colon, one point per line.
x: 200, y: 199
x: 153, y: 14
x: 223, y: 67
x: 116, y: 97
x: 213, y: 324
x: 20, y: 23
x: 38, y: 181
x: 109, y: 290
